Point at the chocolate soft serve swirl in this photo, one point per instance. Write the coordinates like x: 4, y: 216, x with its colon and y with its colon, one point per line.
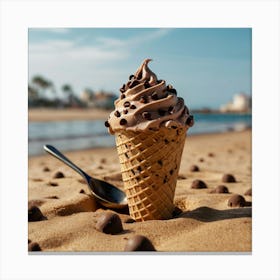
x: 146, y: 103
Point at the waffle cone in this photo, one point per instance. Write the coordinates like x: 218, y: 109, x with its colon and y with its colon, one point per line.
x: 150, y: 163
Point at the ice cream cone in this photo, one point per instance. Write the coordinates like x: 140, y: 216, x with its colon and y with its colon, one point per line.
x: 150, y: 163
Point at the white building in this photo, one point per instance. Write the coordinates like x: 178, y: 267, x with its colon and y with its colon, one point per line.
x: 240, y: 103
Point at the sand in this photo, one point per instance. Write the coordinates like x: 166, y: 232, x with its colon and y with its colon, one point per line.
x: 44, y: 114
x: 206, y: 224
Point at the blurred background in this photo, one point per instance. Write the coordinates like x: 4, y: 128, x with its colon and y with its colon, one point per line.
x: 75, y: 75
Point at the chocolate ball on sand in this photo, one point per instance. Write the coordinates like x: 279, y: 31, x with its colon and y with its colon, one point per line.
x: 109, y: 223
x: 220, y: 189
x: 228, y: 178
x: 198, y: 184
x: 237, y: 201
x: 139, y: 243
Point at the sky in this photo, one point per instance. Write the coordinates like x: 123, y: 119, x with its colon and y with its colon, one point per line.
x: 207, y: 66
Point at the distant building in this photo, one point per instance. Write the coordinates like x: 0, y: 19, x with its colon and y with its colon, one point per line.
x: 240, y: 103
x: 100, y: 99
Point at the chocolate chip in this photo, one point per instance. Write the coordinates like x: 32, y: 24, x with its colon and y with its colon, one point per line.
x: 34, y: 214
x: 154, y: 96
x: 190, y: 121
x: 58, y: 175
x: 109, y: 223
x: 146, y: 84
x: 194, y: 168
x: 236, y: 201
x: 221, y: 189
x: 122, y: 96
x: 161, y: 112
x: 139, y: 243
x: 160, y: 162
x: 201, y: 159
x: 133, y: 83
x: 198, y: 184
x: 117, y: 114
x: 173, y: 90
x: 122, y: 89
x: 170, y: 109
x: 46, y: 169
x: 146, y: 115
x: 132, y: 106
x: 248, y: 192
x: 143, y: 99
x: 171, y: 172
x: 228, y: 178
x: 126, y: 104
x: 166, y: 141
x: 211, y: 155
x: 34, y: 246
x: 131, y: 77
x: 82, y: 191
x: 123, y: 122
x: 125, y: 111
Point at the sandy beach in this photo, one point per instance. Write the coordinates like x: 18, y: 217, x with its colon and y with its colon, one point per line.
x: 50, y: 114
x: 206, y: 222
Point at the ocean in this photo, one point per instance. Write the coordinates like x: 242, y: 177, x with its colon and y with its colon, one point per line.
x: 75, y: 135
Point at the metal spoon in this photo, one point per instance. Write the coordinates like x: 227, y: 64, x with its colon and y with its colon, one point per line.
x: 106, y: 194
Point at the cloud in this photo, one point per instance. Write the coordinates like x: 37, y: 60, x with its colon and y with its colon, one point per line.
x: 70, y: 60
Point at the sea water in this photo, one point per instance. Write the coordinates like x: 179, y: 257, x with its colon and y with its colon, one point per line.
x: 75, y: 135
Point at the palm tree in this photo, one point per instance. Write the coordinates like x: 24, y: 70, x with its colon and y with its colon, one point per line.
x: 41, y: 84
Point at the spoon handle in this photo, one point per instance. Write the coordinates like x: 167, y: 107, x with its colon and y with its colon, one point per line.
x: 56, y: 153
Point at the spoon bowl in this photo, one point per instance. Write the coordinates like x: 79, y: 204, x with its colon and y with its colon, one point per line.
x: 105, y: 193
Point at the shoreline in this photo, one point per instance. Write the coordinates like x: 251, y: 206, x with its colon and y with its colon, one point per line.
x: 193, y: 136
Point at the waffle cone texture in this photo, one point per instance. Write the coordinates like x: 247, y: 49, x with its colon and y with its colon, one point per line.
x: 150, y: 163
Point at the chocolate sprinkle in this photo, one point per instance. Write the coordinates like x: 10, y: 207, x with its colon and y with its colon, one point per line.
x: 122, y: 96
x: 133, y: 83
x: 131, y: 76
x: 123, y: 121
x: 117, y: 114
x: 170, y: 109
x: 125, y: 111
x: 132, y: 106
x: 107, y: 124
